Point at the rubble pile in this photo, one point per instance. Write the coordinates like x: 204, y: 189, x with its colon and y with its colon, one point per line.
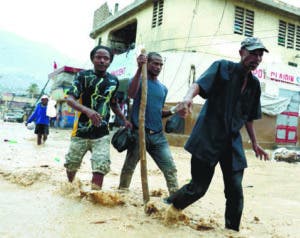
x: 283, y: 154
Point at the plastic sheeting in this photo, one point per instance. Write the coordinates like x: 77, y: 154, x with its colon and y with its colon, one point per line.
x: 272, y: 105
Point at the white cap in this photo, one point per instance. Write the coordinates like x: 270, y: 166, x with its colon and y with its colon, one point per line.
x: 44, y: 97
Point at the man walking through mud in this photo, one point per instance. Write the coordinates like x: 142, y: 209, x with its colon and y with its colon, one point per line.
x: 156, y: 143
x: 232, y: 96
x: 39, y: 116
x: 91, y: 95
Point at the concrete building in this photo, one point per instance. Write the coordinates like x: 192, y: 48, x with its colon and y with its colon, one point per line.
x: 61, y: 80
x: 191, y: 34
x: 213, y: 27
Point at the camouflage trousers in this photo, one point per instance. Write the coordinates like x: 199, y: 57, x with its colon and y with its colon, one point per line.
x: 99, y: 148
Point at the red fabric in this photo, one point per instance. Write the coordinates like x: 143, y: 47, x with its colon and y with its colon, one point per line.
x: 97, y: 179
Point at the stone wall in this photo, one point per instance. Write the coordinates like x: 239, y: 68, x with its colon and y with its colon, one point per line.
x: 100, y: 15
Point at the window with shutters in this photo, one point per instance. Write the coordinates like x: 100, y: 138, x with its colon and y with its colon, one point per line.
x: 243, y: 21
x: 281, y: 33
x: 157, y: 16
x: 298, y: 38
x: 289, y: 35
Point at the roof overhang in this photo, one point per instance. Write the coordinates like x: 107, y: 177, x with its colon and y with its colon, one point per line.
x: 273, y: 5
x: 276, y: 6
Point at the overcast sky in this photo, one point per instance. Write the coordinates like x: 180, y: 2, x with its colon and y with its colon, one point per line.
x: 63, y: 24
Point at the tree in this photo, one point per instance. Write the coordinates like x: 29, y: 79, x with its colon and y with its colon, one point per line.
x: 33, y: 90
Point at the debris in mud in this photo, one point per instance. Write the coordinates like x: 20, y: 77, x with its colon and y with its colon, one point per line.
x: 151, y: 208
x: 283, y: 154
x: 98, y: 222
x: 25, y: 178
x: 156, y: 193
x: 71, y: 189
x: 109, y: 199
x: 256, y: 219
x: 174, y: 216
x: 201, y: 225
x: 104, y: 221
x: 76, y: 190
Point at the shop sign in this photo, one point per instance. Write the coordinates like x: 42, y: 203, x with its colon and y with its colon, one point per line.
x: 288, y: 76
x: 285, y: 76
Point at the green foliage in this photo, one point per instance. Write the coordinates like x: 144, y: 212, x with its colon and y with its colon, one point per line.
x: 33, y: 90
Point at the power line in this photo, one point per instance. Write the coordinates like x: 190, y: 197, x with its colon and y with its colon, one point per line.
x: 207, y: 36
x: 187, y: 40
x: 199, y: 51
x: 213, y: 36
x: 209, y: 44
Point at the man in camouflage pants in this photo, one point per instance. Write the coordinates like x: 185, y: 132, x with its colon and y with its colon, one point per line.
x: 92, y: 95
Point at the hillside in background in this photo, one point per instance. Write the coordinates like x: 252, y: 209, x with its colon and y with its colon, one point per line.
x: 24, y: 62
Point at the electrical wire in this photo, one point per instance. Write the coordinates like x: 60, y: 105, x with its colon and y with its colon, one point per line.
x: 210, y: 43
x: 186, y: 43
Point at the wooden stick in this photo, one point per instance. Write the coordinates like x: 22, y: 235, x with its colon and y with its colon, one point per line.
x: 142, y: 143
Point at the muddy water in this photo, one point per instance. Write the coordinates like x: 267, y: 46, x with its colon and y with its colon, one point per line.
x: 38, y: 212
x: 41, y: 212
x: 36, y: 201
x: 30, y: 213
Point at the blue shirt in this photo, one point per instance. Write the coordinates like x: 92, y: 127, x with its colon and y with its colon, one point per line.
x: 226, y: 110
x: 156, y: 97
x: 39, y: 115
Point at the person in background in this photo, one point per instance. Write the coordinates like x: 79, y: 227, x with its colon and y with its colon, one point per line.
x: 232, y: 96
x: 124, y: 109
x: 92, y: 94
x: 111, y: 121
x: 39, y: 116
x: 156, y: 143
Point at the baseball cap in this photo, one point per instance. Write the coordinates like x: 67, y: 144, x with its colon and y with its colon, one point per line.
x: 44, y: 97
x: 253, y: 43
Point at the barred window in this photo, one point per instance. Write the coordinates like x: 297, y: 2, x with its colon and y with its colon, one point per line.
x: 243, y: 21
x: 157, y: 16
x: 289, y: 35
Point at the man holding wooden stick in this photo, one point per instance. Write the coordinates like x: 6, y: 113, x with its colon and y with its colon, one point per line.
x: 156, y: 143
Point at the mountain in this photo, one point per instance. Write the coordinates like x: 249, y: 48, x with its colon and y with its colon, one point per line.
x: 24, y: 62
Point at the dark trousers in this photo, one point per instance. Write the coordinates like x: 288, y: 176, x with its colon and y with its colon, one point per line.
x: 202, y: 174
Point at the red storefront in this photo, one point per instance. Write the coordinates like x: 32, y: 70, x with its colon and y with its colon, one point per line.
x: 288, y: 79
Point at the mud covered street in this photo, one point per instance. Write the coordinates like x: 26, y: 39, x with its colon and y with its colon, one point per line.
x: 37, y: 201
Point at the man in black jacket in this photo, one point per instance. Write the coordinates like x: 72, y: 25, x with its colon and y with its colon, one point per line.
x: 232, y: 96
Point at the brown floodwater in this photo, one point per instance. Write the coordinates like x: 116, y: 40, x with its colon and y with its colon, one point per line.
x: 36, y: 201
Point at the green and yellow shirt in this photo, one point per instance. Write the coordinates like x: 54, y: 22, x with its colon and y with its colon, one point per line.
x: 96, y: 93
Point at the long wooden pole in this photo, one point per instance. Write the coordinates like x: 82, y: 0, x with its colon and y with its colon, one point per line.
x: 142, y: 143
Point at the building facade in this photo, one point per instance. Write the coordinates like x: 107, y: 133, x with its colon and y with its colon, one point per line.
x: 213, y: 27
x: 61, y: 80
x: 191, y: 34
